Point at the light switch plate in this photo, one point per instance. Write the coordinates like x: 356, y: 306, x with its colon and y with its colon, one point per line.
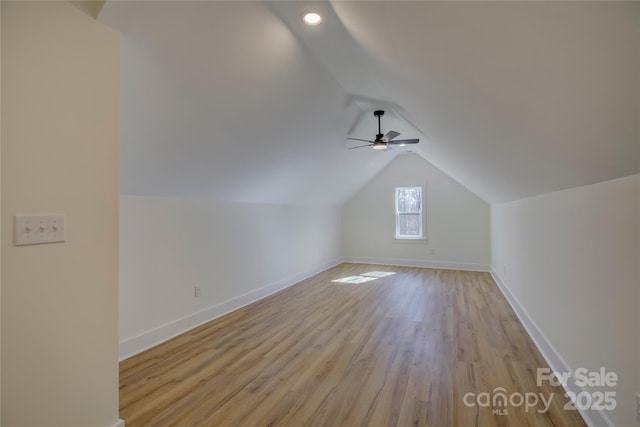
x: 36, y: 229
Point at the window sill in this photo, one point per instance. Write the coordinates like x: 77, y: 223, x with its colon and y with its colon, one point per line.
x: 406, y: 240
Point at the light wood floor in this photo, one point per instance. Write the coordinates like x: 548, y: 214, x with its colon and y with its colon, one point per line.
x: 401, y: 350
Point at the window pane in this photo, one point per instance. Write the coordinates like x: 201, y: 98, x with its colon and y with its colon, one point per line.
x: 409, y: 200
x: 409, y: 225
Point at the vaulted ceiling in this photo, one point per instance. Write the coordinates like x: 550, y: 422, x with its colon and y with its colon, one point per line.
x: 241, y: 101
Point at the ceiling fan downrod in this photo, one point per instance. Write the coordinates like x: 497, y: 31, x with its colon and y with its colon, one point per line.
x: 378, y: 114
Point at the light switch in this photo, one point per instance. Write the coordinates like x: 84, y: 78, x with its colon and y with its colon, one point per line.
x: 35, y: 229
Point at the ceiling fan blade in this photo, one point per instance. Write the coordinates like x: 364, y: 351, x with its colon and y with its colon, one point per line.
x: 404, y: 141
x: 391, y: 134
x: 360, y: 146
x: 363, y: 140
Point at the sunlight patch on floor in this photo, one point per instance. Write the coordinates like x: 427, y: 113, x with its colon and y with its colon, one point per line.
x: 364, y: 277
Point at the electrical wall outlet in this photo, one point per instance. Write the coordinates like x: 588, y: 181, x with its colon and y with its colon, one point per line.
x: 196, y: 291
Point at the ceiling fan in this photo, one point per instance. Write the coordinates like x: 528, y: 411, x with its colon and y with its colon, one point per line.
x: 384, y: 142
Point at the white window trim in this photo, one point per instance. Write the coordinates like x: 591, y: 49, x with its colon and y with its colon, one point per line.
x: 420, y: 214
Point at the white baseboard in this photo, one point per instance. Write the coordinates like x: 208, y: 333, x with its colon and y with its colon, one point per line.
x: 119, y: 423
x: 445, y: 265
x: 554, y: 359
x: 165, y: 332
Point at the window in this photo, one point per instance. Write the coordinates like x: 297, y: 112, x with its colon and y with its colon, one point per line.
x: 409, y: 213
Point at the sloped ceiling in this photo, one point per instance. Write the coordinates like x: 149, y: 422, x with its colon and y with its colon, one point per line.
x: 240, y: 101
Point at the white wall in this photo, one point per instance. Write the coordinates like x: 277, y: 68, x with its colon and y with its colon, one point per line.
x: 0, y: 226
x: 457, y: 221
x: 570, y: 258
x: 60, y: 117
x: 236, y: 252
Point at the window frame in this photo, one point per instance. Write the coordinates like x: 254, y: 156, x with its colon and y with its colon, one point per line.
x: 398, y: 214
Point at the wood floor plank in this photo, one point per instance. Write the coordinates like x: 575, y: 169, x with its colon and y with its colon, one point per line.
x: 401, y: 350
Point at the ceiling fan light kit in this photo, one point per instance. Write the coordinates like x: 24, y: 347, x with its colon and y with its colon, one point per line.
x: 384, y: 142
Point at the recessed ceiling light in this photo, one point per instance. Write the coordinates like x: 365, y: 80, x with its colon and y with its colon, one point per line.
x: 312, y: 18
